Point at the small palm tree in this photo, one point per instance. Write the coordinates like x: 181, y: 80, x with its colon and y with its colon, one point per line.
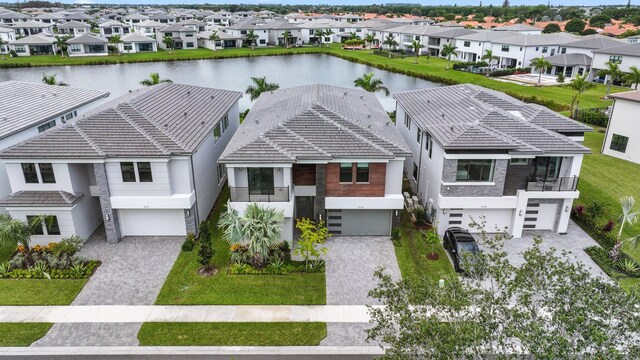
x: 14, y: 232
x: 259, y: 86
x: 51, y: 80
x: 391, y: 43
x: 328, y: 32
x: 353, y: 36
x: 541, y: 64
x: 167, y: 40
x: 61, y: 42
x: 370, y: 39
x: 320, y: 34
x: 580, y: 84
x: 613, y: 71
x: 627, y: 216
x: 3, y: 43
x: 214, y: 37
x: 489, y: 57
x: 116, y: 40
x: 370, y: 84
x: 154, y: 79
x: 633, y: 77
x: 416, y: 46
x: 286, y: 35
x: 251, y: 38
x: 449, y: 50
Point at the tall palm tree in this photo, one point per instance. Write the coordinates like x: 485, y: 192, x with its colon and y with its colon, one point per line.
x: 449, y: 50
x: 370, y: 39
x: 320, y: 35
x: 251, y: 38
x: 613, y: 71
x: 14, y: 232
x: 628, y: 216
x: 633, y: 77
x: 580, y: 84
x: 489, y: 57
x: 154, y: 79
x: 391, y: 43
x: 286, y: 35
x: 51, y: 80
x: 259, y: 86
x: 116, y: 40
x: 416, y: 46
x: 541, y: 64
x: 167, y: 40
x: 214, y: 37
x: 370, y: 84
x: 61, y: 42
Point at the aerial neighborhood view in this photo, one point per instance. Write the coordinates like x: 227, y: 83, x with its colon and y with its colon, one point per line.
x: 306, y: 180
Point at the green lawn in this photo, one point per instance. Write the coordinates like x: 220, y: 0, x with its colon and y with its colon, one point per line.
x: 22, y: 334
x: 185, y: 286
x: 39, y: 291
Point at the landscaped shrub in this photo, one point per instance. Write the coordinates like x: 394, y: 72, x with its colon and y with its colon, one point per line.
x: 594, y: 117
x: 608, y: 227
x: 601, y: 257
x: 430, y: 237
x: 395, y: 233
x: 590, y: 219
x: 79, y: 270
x: 277, y: 268
x: 464, y: 65
x: 506, y: 72
x: 189, y: 242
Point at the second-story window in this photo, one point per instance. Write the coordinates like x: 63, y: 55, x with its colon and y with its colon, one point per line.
x: 38, y: 173
x: 128, y: 172
x: 346, y: 172
x: 615, y: 59
x: 225, y: 122
x: 505, y: 48
x: 136, y: 172
x: 46, y: 126
x: 46, y: 173
x: 362, y: 172
x: 467, y: 44
x: 419, y: 136
x: 475, y: 170
x: 216, y: 132
x: 144, y: 172
x: 30, y: 173
x: 407, y: 121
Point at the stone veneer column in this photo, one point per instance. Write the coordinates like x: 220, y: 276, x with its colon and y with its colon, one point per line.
x: 395, y: 219
x: 321, y: 191
x: 109, y: 216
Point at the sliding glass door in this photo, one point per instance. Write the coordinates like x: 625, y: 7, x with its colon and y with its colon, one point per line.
x: 546, y: 168
x: 260, y: 181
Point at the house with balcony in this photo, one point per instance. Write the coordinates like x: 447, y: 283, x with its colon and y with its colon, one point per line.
x: 622, y: 139
x: 143, y: 164
x: 184, y: 37
x: 480, y: 154
x: 320, y: 152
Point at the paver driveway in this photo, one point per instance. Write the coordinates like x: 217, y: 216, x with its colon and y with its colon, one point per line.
x: 350, y: 263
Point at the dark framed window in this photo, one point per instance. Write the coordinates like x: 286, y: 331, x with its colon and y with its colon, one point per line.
x: 53, y: 228
x: 144, y: 172
x: 475, y: 170
x: 128, y: 172
x: 419, y: 136
x: 415, y: 171
x: 225, y: 123
x: 519, y: 161
x: 346, y: 172
x: 38, y: 230
x: 546, y: 168
x: 619, y: 143
x: 46, y: 126
x: 362, y: 172
x: 505, y: 48
x: 467, y: 44
x: 46, y: 172
x: 430, y: 146
x: 222, y: 172
x: 30, y: 173
x: 260, y: 181
x: 216, y: 133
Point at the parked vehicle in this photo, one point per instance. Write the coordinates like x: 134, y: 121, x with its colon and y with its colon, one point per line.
x: 458, y: 242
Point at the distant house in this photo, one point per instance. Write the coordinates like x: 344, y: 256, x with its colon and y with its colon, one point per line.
x: 35, y: 45
x: 184, y: 37
x: 110, y: 28
x: 625, y: 56
x: 570, y: 65
x: 622, y: 139
x: 133, y: 19
x: 12, y: 17
x: 241, y: 30
x: 79, y: 17
x: 519, y: 28
x: 277, y: 29
x: 73, y: 28
x: 147, y: 27
x: 30, y: 27
x: 163, y: 18
x: 7, y: 35
x: 134, y: 43
x: 88, y: 45
x: 226, y: 40
x: 50, y: 18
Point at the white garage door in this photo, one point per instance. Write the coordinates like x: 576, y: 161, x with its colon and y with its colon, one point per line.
x: 495, y: 219
x: 152, y: 222
x: 359, y: 222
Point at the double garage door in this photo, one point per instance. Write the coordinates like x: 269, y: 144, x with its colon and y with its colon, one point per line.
x: 140, y: 222
x: 359, y: 222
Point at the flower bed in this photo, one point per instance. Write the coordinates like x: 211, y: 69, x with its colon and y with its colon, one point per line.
x: 280, y: 262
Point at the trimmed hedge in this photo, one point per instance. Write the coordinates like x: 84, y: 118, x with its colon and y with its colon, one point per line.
x: 594, y: 117
x: 462, y: 65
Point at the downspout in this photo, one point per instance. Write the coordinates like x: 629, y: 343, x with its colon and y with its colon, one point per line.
x: 193, y: 183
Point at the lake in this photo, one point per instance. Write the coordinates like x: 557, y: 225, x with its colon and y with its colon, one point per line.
x: 231, y: 74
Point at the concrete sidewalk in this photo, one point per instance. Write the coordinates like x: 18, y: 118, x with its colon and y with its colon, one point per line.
x: 186, y: 313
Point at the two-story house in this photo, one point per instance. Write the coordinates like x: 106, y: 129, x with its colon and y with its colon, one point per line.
x: 143, y: 164
x: 6, y: 35
x: 73, y: 28
x: 184, y: 37
x: 625, y: 56
x: 480, y: 153
x: 113, y: 27
x: 622, y: 139
x: 320, y: 152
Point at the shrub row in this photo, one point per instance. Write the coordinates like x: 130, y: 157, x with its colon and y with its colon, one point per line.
x: 506, y: 72
x: 594, y: 117
x: 82, y: 272
x: 277, y: 269
x: 601, y: 257
x: 463, y: 65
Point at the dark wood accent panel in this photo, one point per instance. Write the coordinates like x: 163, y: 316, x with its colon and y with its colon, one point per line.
x: 516, y: 178
x: 375, y: 187
x: 304, y: 174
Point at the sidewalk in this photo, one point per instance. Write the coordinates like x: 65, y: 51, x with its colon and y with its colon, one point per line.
x: 186, y: 313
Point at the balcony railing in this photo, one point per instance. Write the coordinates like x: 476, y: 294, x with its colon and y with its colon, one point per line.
x: 274, y: 194
x: 558, y: 184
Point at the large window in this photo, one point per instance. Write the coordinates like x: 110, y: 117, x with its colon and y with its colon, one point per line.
x: 346, y: 172
x: 52, y: 226
x: 128, y: 172
x: 407, y: 121
x: 136, y: 172
x: 49, y: 223
x: 144, y: 172
x: 362, y: 172
x: 30, y: 173
x: 475, y: 170
x: 46, y: 126
x: 225, y: 122
x: 619, y: 143
x: 505, y: 48
x: 46, y: 173
x: 261, y: 181
x: 546, y: 168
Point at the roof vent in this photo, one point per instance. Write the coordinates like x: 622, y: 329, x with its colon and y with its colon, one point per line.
x: 361, y: 97
x: 428, y: 101
x: 451, y: 128
x: 345, y: 93
x: 188, y: 92
x: 368, y: 116
x: 185, y: 113
x: 130, y: 91
x: 202, y: 122
x: 442, y: 115
x: 212, y: 97
x: 257, y: 122
x: 43, y: 96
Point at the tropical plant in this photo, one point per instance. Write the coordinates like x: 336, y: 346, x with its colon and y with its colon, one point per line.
x: 154, y: 79
x: 61, y: 42
x: 449, y: 50
x: 320, y: 35
x: 633, y: 77
x: 391, y: 43
x: 51, y: 80
x: 560, y: 78
x: 541, y: 65
x: 370, y: 39
x: 353, y: 36
x: 416, y: 46
x: 328, y: 32
x: 251, y: 38
x: 259, y: 86
x: 628, y: 216
x: 370, y: 84
x: 489, y: 57
x: 580, y: 84
x: 312, y: 235
x: 78, y: 269
x: 628, y: 266
x: 116, y: 40
x: 286, y: 35
x: 613, y: 72
x: 14, y: 233
x: 214, y: 38
x: 167, y: 40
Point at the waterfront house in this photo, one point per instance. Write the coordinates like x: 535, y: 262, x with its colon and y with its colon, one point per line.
x: 626, y: 56
x: 88, y: 45
x: 31, y: 27
x: 147, y: 27
x: 73, y: 28
x: 622, y: 139
x: 113, y: 27
x: 134, y: 43
x: 35, y: 45
x: 7, y: 35
x: 184, y: 37
x: 259, y: 29
x: 226, y: 40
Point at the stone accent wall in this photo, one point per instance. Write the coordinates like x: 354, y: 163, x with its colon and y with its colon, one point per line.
x: 395, y: 219
x: 319, y: 200
x: 449, y: 176
x: 112, y: 224
x: 304, y: 174
x: 190, y: 220
x: 375, y: 187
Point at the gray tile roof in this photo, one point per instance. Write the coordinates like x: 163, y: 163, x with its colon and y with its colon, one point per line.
x: 573, y: 59
x: 470, y: 117
x: 595, y: 42
x: 88, y: 39
x: 315, y: 122
x: 23, y: 104
x: 157, y: 121
x: 517, y: 27
x: 537, y: 39
x: 134, y: 37
x: 41, y: 198
x: 629, y: 49
x: 486, y: 35
x: 37, y: 39
x: 73, y: 24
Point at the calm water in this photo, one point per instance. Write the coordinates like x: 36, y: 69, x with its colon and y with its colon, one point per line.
x: 231, y: 74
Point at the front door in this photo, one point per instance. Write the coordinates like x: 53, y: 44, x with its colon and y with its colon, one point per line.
x: 305, y: 207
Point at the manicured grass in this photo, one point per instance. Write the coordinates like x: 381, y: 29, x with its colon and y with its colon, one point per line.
x: 185, y: 286
x: 22, y: 334
x: 232, y: 334
x: 39, y: 291
x: 410, y: 253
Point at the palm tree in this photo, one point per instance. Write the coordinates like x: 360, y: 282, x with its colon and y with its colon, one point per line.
x: 259, y: 228
x: 449, y: 50
x: 628, y: 216
x: 391, y: 43
x: 489, y: 57
x: 214, y: 37
x: 613, y: 71
x: 633, y: 77
x: 116, y: 40
x: 320, y: 34
x: 286, y: 35
x: 353, y: 36
x: 416, y: 45
x: 328, y: 32
x: 368, y: 83
x: 167, y: 40
x: 3, y: 43
x: 541, y: 64
x: 259, y: 86
x: 370, y: 39
x: 51, y: 80
x: 580, y: 84
x: 154, y: 79
x: 14, y: 232
x: 61, y: 42
x: 251, y: 38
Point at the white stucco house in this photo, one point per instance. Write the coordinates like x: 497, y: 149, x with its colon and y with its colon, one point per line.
x: 74, y: 28
x: 136, y: 167
x: 625, y: 56
x: 7, y: 35
x: 134, y: 43
x: 39, y: 44
x: 622, y: 139
x: 88, y: 45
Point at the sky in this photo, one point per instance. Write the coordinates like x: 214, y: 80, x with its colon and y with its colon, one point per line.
x: 364, y: 2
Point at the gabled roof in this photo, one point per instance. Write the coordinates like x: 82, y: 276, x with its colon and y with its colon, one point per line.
x: 315, y: 122
x: 470, y: 117
x: 88, y: 39
x: 537, y: 39
x: 177, y: 27
x: 41, y: 198
x: 37, y: 39
x: 31, y: 24
x: 149, y: 23
x: 73, y: 24
x: 134, y: 37
x: 627, y: 95
x: 157, y: 121
x: 486, y: 35
x: 135, y: 16
x: 23, y: 104
x: 113, y: 23
x: 517, y: 27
